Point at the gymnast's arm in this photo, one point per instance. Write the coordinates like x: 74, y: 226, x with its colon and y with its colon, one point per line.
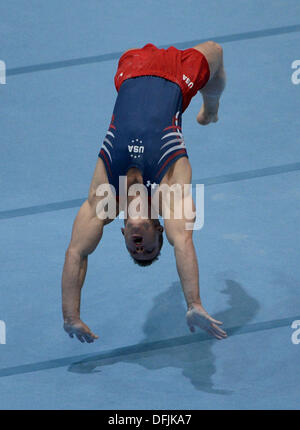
x: 86, y: 235
x: 187, y: 267
x: 180, y: 235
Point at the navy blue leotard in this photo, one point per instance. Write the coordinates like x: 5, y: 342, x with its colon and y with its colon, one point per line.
x: 145, y: 131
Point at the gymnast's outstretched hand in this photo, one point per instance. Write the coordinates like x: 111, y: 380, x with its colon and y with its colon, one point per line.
x: 198, y: 317
x: 81, y: 331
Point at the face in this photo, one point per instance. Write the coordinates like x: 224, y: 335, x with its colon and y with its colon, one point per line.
x: 142, y: 238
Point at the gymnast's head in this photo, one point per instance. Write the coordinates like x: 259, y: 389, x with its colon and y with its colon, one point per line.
x: 143, y: 239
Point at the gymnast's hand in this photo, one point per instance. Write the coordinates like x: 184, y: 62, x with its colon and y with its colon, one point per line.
x: 197, y: 316
x: 81, y: 331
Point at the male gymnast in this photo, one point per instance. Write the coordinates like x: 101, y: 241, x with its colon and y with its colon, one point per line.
x: 144, y: 144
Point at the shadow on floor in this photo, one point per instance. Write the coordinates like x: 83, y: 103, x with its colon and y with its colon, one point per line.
x: 164, y: 321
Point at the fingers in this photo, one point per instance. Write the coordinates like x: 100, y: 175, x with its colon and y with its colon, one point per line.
x: 219, y: 330
x: 80, y: 338
x: 213, y: 329
x: 83, y: 336
x: 86, y: 337
x: 215, y: 321
x: 90, y: 337
x: 214, y: 334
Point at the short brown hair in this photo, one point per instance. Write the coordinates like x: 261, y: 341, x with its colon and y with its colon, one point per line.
x: 144, y: 263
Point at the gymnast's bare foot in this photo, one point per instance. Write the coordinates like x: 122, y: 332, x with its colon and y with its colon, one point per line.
x: 208, y: 115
